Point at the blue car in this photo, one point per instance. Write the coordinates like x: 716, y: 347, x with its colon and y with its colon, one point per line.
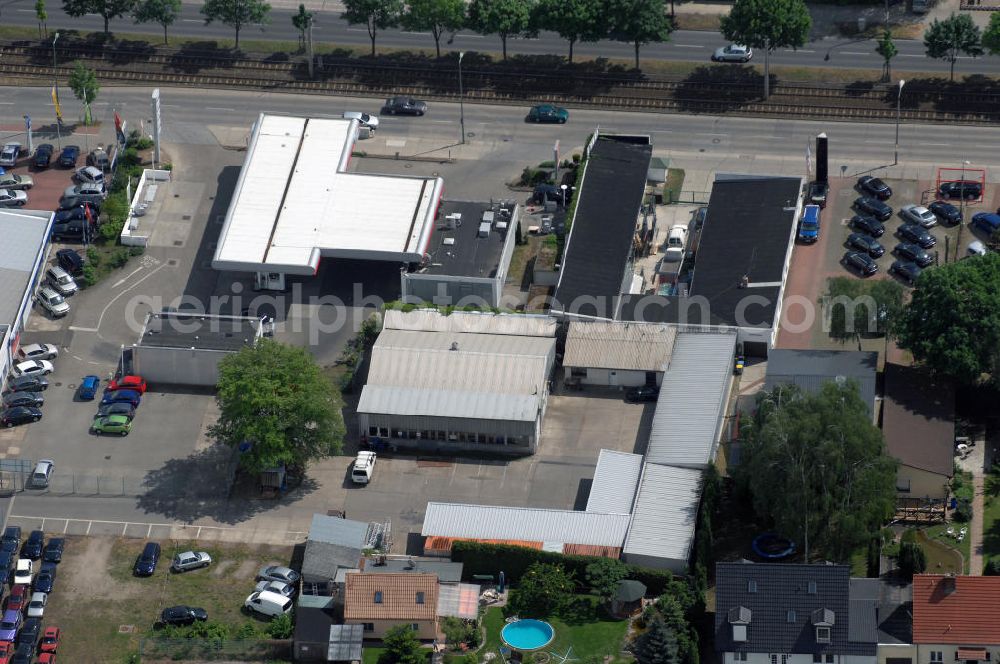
x: 69, y: 155
x: 986, y: 221
x: 122, y: 396
x: 10, y: 624
x: 46, y: 578
x: 88, y: 388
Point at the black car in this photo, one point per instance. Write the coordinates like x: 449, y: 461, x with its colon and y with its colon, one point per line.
x: 23, y: 654
x: 818, y: 192
x: 874, y: 207
x: 640, y: 394
x: 69, y: 155
x: 866, y: 224
x: 15, y: 399
x: 917, y: 235
x: 182, y: 615
x: 43, y: 155
x: 46, y: 579
x: 912, y: 252
x: 874, y: 187
x: 865, y: 243
x: 117, y: 408
x: 10, y: 546
x: 404, y: 106
x: 946, y: 212
x: 77, y: 229
x: 27, y: 384
x: 863, y: 263
x: 10, y: 417
x: 31, y: 630
x: 12, y: 534
x: 33, y: 545
x: 8, y: 559
x: 968, y: 189
x: 145, y: 564
x: 71, y: 261
x: 908, y: 271
x: 54, y: 550
x: 83, y: 211
x: 71, y: 202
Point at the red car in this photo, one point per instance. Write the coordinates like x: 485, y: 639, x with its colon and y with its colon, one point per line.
x: 128, y: 383
x: 6, y: 651
x: 47, y: 658
x: 18, y: 597
x: 50, y: 639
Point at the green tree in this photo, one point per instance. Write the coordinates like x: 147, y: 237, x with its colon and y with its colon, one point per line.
x: 42, y: 16
x: 640, y: 22
x: 886, y: 47
x: 281, y: 627
x: 302, y: 21
x: 675, y: 610
x: 767, y: 25
x: 573, y: 20
x: 657, y: 645
x: 274, y: 397
x: 817, y: 468
x: 83, y: 83
x: 163, y: 12
x: 436, y: 16
x: 858, y: 308
x: 912, y: 560
x: 603, y: 576
x: 991, y: 36
x: 952, y: 321
x: 945, y: 40
x: 503, y: 18
x: 106, y: 9
x: 237, y: 14
x: 402, y: 647
x: 373, y: 14
x: 543, y: 590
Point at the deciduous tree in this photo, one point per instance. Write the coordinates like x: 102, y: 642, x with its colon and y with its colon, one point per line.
x: 402, y: 647
x: 640, y: 22
x: 991, y: 36
x: 435, y: 16
x: 106, y: 9
x: 957, y: 34
x: 603, y: 576
x: 886, y: 47
x: 83, y: 83
x: 302, y: 21
x: 542, y: 591
x: 766, y: 25
x: 274, y: 400
x: 375, y: 15
x: 42, y: 16
x: 237, y: 14
x: 858, y: 308
x: 503, y: 18
x: 573, y: 20
x: 163, y: 12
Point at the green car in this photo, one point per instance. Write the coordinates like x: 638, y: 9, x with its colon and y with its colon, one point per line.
x: 547, y: 113
x: 119, y: 424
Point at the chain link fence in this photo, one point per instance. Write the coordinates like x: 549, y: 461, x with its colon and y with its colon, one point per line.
x: 213, y: 650
x: 69, y: 484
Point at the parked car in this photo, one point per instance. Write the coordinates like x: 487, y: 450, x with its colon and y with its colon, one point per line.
x: 874, y: 187
x: 54, y: 550
x: 71, y: 261
x: 26, y: 384
x: 60, y: 281
x: 52, y: 302
x: 30, y: 399
x: 118, y: 424
x: 9, y: 154
x: 9, y: 625
x: 81, y: 212
x: 919, y: 215
x: 874, y: 207
x: 967, y: 189
x: 36, y: 606
x: 10, y: 546
x: 145, y: 564
x: 23, y: 654
x: 37, y: 352
x: 863, y: 263
x: 190, y: 560
x: 548, y: 114
x: 818, y: 192
x: 46, y: 579
x: 6, y: 652
x: 12, y: 181
x: 268, y: 603
x: 987, y: 222
x: 99, y: 158
x: 642, y: 393
x: 7, y: 559
x: 18, y: 598
x: 283, y: 589
x: 866, y: 224
x: 917, y: 235
x: 42, y: 473
x: 50, y: 639
x: 733, y: 53
x: 47, y: 658
x: 89, y: 175
x: 32, y: 547
x: 79, y: 230
x: 913, y: 252
x: 32, y: 368
x: 24, y: 572
x: 88, y: 388
x: 182, y: 615
x: 116, y: 408
x: 946, y: 212
x: 126, y: 396
x: 85, y: 189
x: 365, y: 120
x: 20, y: 415
x: 975, y: 248
x: 13, y: 198
x: 278, y: 573
x: 30, y: 632
x: 43, y: 155
x: 69, y: 155
x: 363, y: 467
x: 404, y: 106
x: 128, y: 383
x: 70, y: 202
x: 11, y: 536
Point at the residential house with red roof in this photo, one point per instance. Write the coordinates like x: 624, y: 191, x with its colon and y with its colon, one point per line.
x: 956, y: 619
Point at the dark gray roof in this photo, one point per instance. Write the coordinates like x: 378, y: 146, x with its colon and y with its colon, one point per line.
x: 447, y: 572
x: 862, y: 616
x: 468, y: 255
x: 782, y: 610
x: 191, y: 330
x: 895, y: 614
x: 809, y: 369
x: 918, y: 418
x: 333, y: 543
x: 630, y: 590
x: 345, y: 643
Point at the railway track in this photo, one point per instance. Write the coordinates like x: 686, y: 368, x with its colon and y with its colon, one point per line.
x: 922, y: 103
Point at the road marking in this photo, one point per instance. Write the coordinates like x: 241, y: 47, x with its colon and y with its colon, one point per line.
x: 937, y: 145
x: 802, y: 50
x: 126, y: 277
x: 853, y: 53
x: 27, y: 11
x: 191, y: 20
x: 689, y: 46
x: 211, y: 108
x: 6, y: 103
x: 290, y: 534
x: 356, y: 30
x: 76, y: 328
x: 112, y: 301
x: 441, y: 121
x: 471, y: 36
x: 908, y: 55
x: 407, y: 32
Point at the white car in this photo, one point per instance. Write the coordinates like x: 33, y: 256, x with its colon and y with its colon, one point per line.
x: 13, y: 198
x: 918, y: 214
x: 9, y: 154
x: 85, y: 189
x: 33, y: 368
x: 90, y: 174
x: 36, y: 607
x: 52, y: 302
x: 37, y: 352
x: 363, y: 119
x: 733, y: 53
x: 363, y: 468
x: 12, y: 181
x: 24, y: 572
x: 283, y: 589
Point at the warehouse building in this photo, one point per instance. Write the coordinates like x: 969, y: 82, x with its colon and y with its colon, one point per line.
x: 810, y: 369
x: 616, y: 478
x: 664, y: 518
x: 613, y: 354
x: 462, y: 382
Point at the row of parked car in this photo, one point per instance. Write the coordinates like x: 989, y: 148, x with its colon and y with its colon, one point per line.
x: 22, y: 632
x: 122, y: 397
x: 23, y: 398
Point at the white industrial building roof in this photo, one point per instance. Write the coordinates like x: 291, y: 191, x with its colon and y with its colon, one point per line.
x: 619, y: 345
x: 615, y: 480
x: 665, y: 513
x: 388, y: 400
x: 24, y: 233
x: 692, y: 400
x: 431, y: 320
x: 552, y: 527
x: 294, y: 202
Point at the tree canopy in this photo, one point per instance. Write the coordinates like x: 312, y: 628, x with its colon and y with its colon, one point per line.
x: 237, y: 14
x: 766, y: 25
x: 816, y: 468
x: 640, y: 22
x: 503, y: 18
x: 603, y: 576
x: 274, y: 398
x: 83, y: 83
x: 886, y: 47
x: 542, y: 591
x: 435, y: 16
x: 573, y: 20
x: 862, y: 308
x: 991, y: 35
x: 375, y: 15
x: 952, y: 322
x: 402, y: 647
x: 302, y: 21
x: 657, y: 645
x: 947, y: 39
x: 106, y: 9
x: 163, y: 12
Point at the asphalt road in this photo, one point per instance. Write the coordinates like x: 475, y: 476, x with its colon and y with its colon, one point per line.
x: 685, y: 45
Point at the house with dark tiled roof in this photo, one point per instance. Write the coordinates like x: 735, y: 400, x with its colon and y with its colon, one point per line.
x: 793, y: 614
x: 380, y: 602
x: 956, y: 619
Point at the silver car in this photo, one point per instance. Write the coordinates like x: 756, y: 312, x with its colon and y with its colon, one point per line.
x: 90, y: 174
x: 12, y: 198
x: 363, y: 119
x: 60, y: 280
x: 12, y: 181
x: 283, y: 589
x: 733, y: 53
x: 9, y: 154
x: 190, y: 560
x: 278, y: 573
x: 918, y: 214
x: 85, y: 189
x: 37, y: 352
x: 52, y: 302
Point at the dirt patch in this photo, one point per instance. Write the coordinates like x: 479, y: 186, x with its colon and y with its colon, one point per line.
x: 247, y: 570
x: 84, y: 569
x: 220, y: 568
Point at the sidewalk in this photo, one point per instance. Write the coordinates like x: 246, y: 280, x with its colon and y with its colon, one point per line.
x: 976, y: 527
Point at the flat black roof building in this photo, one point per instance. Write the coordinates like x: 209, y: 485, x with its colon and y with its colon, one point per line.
x: 599, y: 249
x: 458, y: 248
x: 169, y: 329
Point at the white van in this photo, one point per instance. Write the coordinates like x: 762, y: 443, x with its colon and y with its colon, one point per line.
x: 268, y: 603
x: 364, y: 466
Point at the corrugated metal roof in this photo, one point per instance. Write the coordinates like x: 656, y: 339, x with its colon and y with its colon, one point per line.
x: 389, y: 400
x: 465, y: 342
x: 342, y: 532
x: 810, y: 369
x: 615, y: 481
x: 523, y: 523
x: 24, y: 232
x: 345, y: 643
x: 862, y: 615
x: 431, y: 320
x: 692, y: 397
x: 614, y: 345
x: 665, y: 512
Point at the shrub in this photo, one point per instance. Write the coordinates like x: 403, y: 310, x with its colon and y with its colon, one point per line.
x: 93, y: 257
x: 111, y: 230
x: 119, y: 257
x: 89, y: 276
x: 136, y: 251
x: 457, y: 631
x: 992, y: 568
x: 247, y: 631
x: 210, y: 629
x: 963, y: 513
x: 130, y: 157
x: 281, y: 627
x: 912, y: 560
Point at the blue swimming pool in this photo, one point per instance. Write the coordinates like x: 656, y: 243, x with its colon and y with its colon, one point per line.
x: 527, y: 634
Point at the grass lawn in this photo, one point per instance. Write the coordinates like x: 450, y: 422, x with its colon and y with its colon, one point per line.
x: 673, y: 185
x: 942, y: 550
x: 991, y: 520
x: 370, y: 654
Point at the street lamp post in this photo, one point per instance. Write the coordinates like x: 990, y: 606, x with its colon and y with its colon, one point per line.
x: 899, y: 98
x: 564, y: 187
x: 461, y: 97
x: 55, y: 86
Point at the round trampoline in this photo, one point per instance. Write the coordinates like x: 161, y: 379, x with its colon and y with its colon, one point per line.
x: 527, y: 634
x: 772, y: 546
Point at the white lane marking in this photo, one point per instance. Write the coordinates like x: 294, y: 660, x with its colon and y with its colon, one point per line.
x: 76, y: 328
x: 854, y: 53
x: 689, y: 46
x: 441, y: 121
x: 471, y: 36
x: 409, y: 32
x: 230, y: 110
x: 910, y: 55
x: 112, y: 300
x: 191, y: 20
x: 27, y: 11
x: 937, y: 145
x: 6, y: 103
x: 126, y: 277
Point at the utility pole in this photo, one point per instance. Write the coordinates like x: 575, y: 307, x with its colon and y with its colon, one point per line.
x: 461, y: 97
x: 899, y: 97
x: 55, y: 94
